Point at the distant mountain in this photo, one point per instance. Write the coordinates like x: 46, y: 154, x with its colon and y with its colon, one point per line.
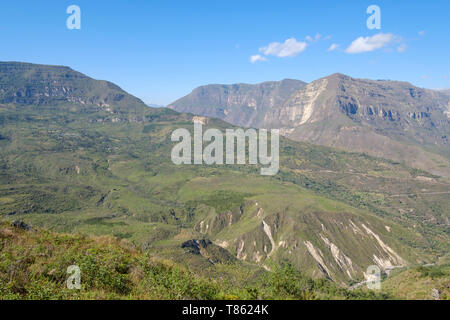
x: 153, y: 105
x: 240, y: 104
x: 447, y: 93
x: 389, y: 119
x: 34, y: 84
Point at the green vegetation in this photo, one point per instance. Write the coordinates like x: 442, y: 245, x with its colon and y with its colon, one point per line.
x: 33, y: 265
x: 433, y: 272
x: 422, y: 282
x: 221, y: 200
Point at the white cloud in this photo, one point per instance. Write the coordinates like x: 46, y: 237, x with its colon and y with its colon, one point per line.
x: 402, y: 48
x: 421, y: 33
x: 290, y: 48
x: 315, y: 39
x: 333, y: 47
x: 445, y: 77
x: 367, y: 44
x: 257, y: 58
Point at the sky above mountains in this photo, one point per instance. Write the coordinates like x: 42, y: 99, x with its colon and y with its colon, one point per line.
x: 160, y: 50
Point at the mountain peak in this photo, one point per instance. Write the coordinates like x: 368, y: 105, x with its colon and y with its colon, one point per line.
x: 290, y: 80
x: 339, y: 76
x: 36, y: 84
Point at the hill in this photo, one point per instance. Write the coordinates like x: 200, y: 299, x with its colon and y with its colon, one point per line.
x: 34, y: 265
x: 420, y: 283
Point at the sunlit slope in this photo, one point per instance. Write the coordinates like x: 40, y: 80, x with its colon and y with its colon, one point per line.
x: 111, y: 268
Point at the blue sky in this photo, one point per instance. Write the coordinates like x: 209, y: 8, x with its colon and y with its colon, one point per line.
x: 160, y: 50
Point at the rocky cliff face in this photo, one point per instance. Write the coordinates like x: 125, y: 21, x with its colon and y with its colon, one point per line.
x: 389, y: 119
x: 32, y: 84
x: 240, y: 104
x: 388, y: 106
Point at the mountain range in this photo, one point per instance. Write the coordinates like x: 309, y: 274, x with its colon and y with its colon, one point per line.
x: 83, y: 156
x: 386, y: 119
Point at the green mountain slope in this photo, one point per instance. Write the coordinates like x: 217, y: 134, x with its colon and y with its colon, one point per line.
x: 72, y: 168
x: 419, y: 283
x: 34, y: 265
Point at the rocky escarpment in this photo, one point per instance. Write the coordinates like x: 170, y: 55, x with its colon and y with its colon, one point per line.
x: 387, y: 119
x: 33, y: 84
x: 240, y: 104
x: 384, y: 105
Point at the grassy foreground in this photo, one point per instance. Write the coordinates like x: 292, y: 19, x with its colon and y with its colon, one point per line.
x: 34, y: 262
x: 420, y: 283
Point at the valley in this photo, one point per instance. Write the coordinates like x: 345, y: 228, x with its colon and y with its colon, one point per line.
x: 84, y: 157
